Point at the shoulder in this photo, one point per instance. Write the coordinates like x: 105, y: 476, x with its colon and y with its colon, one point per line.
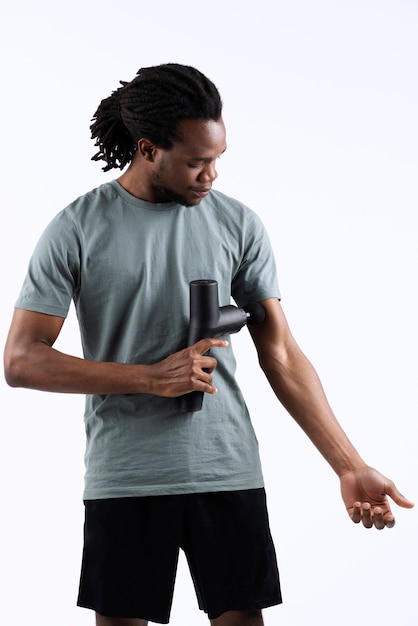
x: 95, y: 199
x: 67, y: 225
x: 223, y: 200
x: 232, y: 208
x: 86, y: 213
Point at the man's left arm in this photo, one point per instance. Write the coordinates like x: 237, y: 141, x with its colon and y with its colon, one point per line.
x: 297, y: 386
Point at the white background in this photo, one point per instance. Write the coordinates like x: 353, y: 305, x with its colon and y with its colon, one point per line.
x: 321, y: 104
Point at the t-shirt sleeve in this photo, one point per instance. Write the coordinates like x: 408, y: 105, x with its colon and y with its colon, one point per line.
x: 256, y: 278
x: 52, y: 279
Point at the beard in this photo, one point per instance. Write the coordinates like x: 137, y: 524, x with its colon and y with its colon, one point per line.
x: 173, y: 196
x: 169, y: 194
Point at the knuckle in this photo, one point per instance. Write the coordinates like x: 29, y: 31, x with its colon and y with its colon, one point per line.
x: 214, y: 363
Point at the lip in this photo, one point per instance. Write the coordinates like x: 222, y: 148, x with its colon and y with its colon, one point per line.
x: 201, y: 193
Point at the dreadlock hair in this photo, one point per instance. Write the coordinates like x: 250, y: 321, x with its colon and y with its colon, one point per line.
x: 151, y: 106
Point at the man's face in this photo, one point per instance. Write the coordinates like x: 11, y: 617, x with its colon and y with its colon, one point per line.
x: 186, y: 171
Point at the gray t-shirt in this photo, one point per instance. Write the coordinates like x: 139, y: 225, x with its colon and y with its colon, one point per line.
x: 127, y: 265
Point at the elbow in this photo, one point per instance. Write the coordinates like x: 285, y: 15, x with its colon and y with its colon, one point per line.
x: 270, y: 367
x: 15, y: 370
x: 276, y: 363
x: 272, y: 359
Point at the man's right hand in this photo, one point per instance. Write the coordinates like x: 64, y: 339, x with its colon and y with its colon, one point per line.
x: 31, y: 361
x: 187, y: 370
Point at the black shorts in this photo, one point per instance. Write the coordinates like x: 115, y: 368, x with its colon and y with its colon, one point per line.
x: 131, y: 548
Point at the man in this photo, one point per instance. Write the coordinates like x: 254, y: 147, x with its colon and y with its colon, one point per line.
x: 158, y: 478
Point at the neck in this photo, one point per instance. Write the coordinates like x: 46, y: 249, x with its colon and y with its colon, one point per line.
x: 135, y: 181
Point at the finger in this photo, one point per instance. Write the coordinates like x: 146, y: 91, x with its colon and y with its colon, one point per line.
x: 203, y: 382
x: 378, y: 519
x: 397, y: 497
x: 356, y: 516
x: 208, y: 363
x: 206, y: 388
x: 367, y: 515
x: 201, y: 371
x: 389, y: 520
x: 204, y: 345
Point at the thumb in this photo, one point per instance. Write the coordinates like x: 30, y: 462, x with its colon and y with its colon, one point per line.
x: 397, y: 497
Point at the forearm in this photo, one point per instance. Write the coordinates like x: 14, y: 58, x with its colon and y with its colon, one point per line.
x: 297, y: 386
x: 46, y: 369
x: 31, y: 361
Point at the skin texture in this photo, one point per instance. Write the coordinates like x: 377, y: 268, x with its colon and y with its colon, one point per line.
x: 297, y: 386
x: 101, y: 620
x: 186, y: 172
x: 32, y: 362
x: 230, y: 618
x: 183, y: 173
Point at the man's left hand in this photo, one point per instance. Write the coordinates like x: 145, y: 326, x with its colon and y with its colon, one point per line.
x: 365, y: 492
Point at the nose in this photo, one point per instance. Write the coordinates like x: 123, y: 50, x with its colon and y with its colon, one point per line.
x: 209, y: 173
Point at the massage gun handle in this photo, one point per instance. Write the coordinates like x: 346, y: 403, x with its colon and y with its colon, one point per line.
x: 193, y: 401
x: 207, y: 319
x: 230, y: 320
x: 253, y: 314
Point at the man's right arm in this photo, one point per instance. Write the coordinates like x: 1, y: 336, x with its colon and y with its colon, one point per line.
x: 30, y: 361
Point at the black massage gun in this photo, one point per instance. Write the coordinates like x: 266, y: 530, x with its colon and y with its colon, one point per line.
x: 208, y: 319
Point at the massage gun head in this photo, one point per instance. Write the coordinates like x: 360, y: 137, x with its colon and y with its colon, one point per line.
x: 255, y: 313
x: 208, y: 319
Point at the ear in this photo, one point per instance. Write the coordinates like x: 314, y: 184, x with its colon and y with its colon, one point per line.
x: 147, y: 149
